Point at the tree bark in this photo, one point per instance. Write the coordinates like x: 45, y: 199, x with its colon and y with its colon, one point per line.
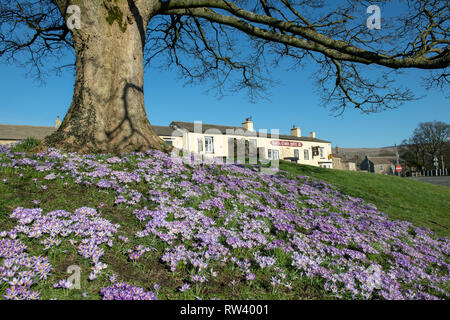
x: 107, y: 113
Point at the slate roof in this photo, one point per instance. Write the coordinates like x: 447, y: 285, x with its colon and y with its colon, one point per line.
x: 383, y: 160
x: 163, y: 131
x: 189, y: 126
x: 19, y: 132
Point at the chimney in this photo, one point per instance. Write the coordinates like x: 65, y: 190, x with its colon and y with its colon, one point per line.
x: 313, y: 134
x: 296, y: 132
x: 57, y: 122
x: 248, y: 124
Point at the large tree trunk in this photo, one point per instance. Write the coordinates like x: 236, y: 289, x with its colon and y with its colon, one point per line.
x: 107, y: 113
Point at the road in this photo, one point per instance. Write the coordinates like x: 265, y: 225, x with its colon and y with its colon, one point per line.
x: 442, y: 181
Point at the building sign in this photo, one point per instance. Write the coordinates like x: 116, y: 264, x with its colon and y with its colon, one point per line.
x: 281, y: 143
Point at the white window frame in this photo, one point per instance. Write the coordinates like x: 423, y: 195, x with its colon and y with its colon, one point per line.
x: 169, y: 140
x: 209, y: 144
x: 321, y: 152
x: 297, y: 152
x: 271, y: 154
x: 306, y: 154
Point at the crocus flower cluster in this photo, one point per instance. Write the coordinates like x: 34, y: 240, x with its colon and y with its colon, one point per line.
x: 124, y: 291
x: 84, y: 228
x: 64, y: 284
x: 209, y: 214
x: 19, y: 271
x: 138, y: 252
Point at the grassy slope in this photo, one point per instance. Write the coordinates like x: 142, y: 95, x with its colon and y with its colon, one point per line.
x: 21, y: 191
x: 421, y: 203
x: 399, y: 198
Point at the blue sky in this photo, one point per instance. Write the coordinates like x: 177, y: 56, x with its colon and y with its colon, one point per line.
x: 293, y: 101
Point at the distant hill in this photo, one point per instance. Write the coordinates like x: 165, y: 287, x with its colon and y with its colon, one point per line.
x: 352, y: 153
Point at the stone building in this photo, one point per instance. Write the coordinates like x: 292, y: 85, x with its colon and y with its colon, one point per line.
x: 341, y: 164
x: 382, y: 165
x: 15, y: 133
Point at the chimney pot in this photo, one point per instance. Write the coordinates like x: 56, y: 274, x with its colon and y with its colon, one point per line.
x: 57, y: 122
x: 313, y: 134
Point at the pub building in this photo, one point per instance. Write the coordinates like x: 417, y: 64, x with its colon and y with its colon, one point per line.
x: 218, y: 141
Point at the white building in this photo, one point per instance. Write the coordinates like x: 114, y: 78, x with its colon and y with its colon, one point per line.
x: 219, y: 141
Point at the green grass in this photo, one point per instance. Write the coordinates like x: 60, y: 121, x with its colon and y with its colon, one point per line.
x: 423, y: 204
x: 26, y: 145
x: 21, y: 191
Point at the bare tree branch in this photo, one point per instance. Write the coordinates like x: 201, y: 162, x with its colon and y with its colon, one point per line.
x: 235, y: 43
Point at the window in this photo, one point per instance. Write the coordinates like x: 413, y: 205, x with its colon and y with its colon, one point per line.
x: 315, y: 151
x: 296, y: 154
x: 169, y: 141
x: 321, y: 152
x: 209, y: 144
x: 273, y: 154
x: 200, y: 145
x: 306, y: 154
